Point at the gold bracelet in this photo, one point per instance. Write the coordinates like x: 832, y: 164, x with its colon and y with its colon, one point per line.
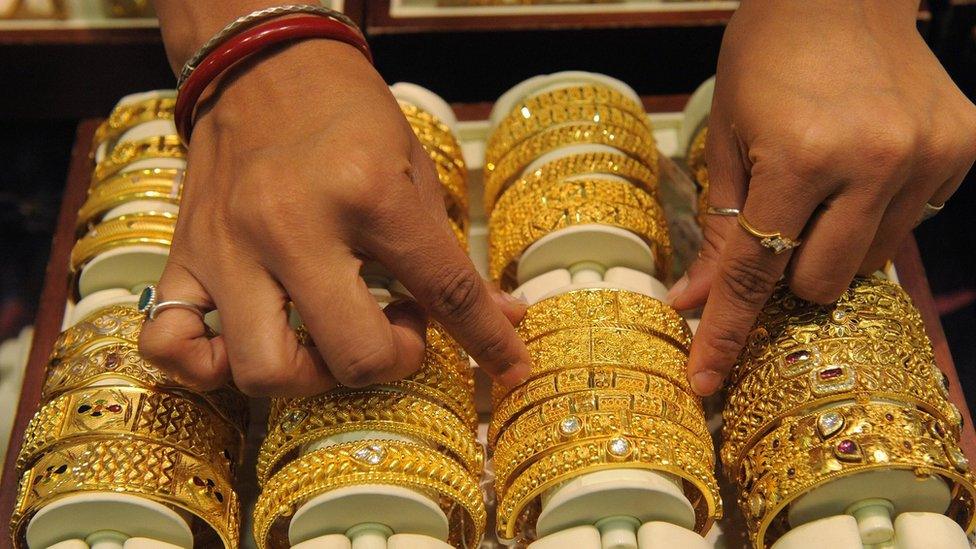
x: 112, y: 324
x: 460, y: 233
x: 807, y: 452
x: 136, y: 414
x: 609, y: 163
x: 160, y: 146
x: 314, y: 418
x: 517, y: 447
x: 371, y: 462
x: 525, y: 215
x: 663, y: 454
x: 697, y: 164
x: 518, y: 127
x: 154, y: 471
x: 576, y: 380
x: 599, y: 94
x: 454, y: 183
x: 499, y: 175
x: 158, y: 184
x: 141, y: 228
x: 829, y: 371
x: 125, y: 117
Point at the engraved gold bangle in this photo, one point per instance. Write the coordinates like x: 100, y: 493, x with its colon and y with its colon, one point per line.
x: 113, y: 324
x: 161, y: 146
x: 517, y: 448
x: 371, y: 462
x: 521, y: 125
x: 525, y: 215
x: 608, y: 163
x: 125, y: 117
x: 134, y: 413
x: 146, y: 229
x: 453, y: 181
x: 154, y: 471
x: 499, y: 175
x: 664, y: 454
x: 315, y: 418
x: 158, y: 184
x: 808, y: 452
x: 591, y: 94
x: 829, y: 371
x: 575, y: 380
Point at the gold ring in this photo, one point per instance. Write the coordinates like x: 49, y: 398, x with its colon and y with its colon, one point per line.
x: 775, y: 241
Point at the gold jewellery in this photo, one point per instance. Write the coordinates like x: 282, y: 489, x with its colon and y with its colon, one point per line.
x: 775, y: 241
x: 145, y: 229
x: 158, y: 184
x: 128, y: 116
x: 156, y: 147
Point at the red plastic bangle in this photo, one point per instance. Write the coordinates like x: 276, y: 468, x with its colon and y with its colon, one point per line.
x: 247, y: 43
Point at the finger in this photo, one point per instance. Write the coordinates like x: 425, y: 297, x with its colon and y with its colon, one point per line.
x: 836, y: 242
x: 265, y: 356
x: 177, y: 341
x: 747, y: 274
x: 360, y: 344
x: 426, y: 259
x: 727, y: 178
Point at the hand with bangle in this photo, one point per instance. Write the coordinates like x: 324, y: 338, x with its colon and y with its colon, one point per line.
x: 301, y: 167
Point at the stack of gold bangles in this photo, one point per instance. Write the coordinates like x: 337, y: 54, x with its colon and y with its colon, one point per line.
x: 433, y: 409
x: 109, y: 421
x: 608, y: 388
x: 825, y: 392
x: 578, y: 155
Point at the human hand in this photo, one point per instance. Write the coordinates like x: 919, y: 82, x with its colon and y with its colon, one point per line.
x: 832, y: 122
x: 300, y: 168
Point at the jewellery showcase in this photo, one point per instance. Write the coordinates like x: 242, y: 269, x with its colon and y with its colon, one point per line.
x: 837, y: 424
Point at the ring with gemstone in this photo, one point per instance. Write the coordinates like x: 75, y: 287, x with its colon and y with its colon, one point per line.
x: 775, y: 241
x: 150, y: 304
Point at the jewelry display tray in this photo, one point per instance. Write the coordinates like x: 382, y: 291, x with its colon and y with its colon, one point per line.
x: 677, y: 193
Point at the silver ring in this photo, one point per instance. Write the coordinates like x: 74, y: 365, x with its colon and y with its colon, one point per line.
x: 929, y: 211
x: 724, y: 212
x: 150, y: 305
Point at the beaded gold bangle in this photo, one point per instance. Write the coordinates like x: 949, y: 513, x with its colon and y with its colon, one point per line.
x: 159, y: 184
x: 810, y: 451
x: 524, y: 215
x: 582, y: 164
x: 136, y: 414
x: 147, y: 229
x: 666, y: 453
x: 310, y: 419
x: 163, y: 146
x: 154, y: 471
x: 698, y: 166
x: 125, y: 117
x: 371, y: 462
x: 590, y: 94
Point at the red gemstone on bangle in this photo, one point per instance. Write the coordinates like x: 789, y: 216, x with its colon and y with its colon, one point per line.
x: 830, y: 373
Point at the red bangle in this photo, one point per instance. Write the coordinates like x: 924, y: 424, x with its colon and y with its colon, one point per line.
x: 247, y: 43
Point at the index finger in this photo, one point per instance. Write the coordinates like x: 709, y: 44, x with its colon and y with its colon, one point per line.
x: 747, y: 273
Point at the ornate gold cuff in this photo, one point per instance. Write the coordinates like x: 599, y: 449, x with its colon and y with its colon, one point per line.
x: 154, y: 471
x: 136, y: 414
x: 125, y: 117
x: 310, y: 419
x: 148, y: 229
x: 163, y: 185
x: 371, y: 462
x: 163, y: 146
x: 807, y: 452
x: 666, y: 454
x: 608, y: 163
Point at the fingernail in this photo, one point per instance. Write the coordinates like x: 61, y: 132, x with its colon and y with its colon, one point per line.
x: 706, y: 382
x: 517, y: 301
x: 677, y: 289
x: 515, y: 375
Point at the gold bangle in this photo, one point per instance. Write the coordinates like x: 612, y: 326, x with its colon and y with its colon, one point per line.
x: 609, y: 163
x: 136, y: 414
x: 113, y: 324
x: 599, y: 94
x: 159, y: 184
x: 460, y: 233
x: 125, y: 117
x: 828, y: 371
x: 577, y: 380
x: 314, y: 418
x: 697, y: 164
x: 524, y: 215
x: 666, y: 454
x: 371, y: 462
x: 521, y: 125
x: 517, y: 448
x: 454, y: 183
x: 499, y: 175
x: 147, y: 229
x: 154, y: 471
x: 160, y: 146
x: 807, y: 452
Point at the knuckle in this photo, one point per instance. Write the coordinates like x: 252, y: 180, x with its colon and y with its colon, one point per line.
x: 155, y: 344
x: 364, y: 177
x: 889, y: 147
x: 492, y: 345
x: 813, y: 152
x: 457, y: 292
x: 816, y: 288
x: 726, y: 342
x: 365, y: 367
x: 262, y: 381
x: 749, y: 284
